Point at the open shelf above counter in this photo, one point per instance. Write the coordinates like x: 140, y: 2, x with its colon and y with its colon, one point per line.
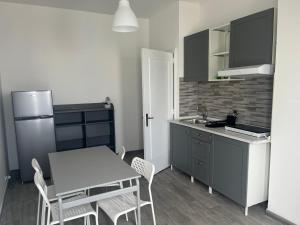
x: 84, y: 125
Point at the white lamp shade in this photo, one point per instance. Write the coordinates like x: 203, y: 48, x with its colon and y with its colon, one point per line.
x: 125, y: 19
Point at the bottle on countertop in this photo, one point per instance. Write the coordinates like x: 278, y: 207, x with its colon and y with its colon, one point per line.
x: 231, y: 118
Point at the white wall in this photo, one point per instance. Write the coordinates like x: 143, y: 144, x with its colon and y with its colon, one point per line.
x: 75, y: 54
x: 3, y: 156
x: 189, y: 21
x: 163, y: 27
x: 284, y: 186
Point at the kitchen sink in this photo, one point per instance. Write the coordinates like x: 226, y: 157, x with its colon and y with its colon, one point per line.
x: 194, y: 121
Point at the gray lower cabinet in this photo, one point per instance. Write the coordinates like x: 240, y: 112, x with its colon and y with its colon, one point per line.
x: 238, y: 170
x: 230, y: 168
x: 200, y: 153
x: 190, y: 151
x: 180, y: 151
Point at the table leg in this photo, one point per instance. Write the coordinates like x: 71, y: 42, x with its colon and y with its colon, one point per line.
x: 61, y: 219
x: 138, y: 201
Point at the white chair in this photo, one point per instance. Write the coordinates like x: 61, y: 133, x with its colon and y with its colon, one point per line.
x: 123, y: 204
x: 122, y: 153
x: 51, y: 194
x: 73, y: 213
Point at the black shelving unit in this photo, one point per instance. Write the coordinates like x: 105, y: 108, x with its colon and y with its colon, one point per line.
x: 84, y: 125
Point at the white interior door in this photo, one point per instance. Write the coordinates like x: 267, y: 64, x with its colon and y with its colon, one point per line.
x: 157, y: 69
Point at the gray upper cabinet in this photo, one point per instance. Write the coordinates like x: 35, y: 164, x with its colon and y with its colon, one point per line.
x: 180, y: 151
x: 251, y: 40
x: 196, y: 49
x: 230, y: 168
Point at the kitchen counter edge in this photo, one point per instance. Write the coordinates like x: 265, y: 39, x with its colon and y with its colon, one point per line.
x: 225, y: 133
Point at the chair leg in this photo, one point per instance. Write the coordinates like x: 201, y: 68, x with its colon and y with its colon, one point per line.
x: 48, y: 216
x: 96, y: 218
x: 116, y: 221
x: 153, y: 214
x: 88, y: 220
x: 43, y: 213
x: 121, y: 186
x: 38, y: 210
x: 85, y: 220
x: 135, y: 217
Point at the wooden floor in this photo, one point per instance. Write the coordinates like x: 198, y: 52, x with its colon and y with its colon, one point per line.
x: 176, y: 200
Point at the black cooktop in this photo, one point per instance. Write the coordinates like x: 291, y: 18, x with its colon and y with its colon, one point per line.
x: 249, y: 128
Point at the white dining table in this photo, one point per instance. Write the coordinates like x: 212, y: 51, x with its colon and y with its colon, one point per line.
x: 84, y: 169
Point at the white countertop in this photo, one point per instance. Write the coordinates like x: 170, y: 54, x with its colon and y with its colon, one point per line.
x: 225, y: 133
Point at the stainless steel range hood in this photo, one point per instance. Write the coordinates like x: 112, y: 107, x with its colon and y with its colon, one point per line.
x: 248, y: 71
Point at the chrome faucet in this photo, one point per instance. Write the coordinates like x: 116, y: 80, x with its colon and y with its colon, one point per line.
x: 202, y: 110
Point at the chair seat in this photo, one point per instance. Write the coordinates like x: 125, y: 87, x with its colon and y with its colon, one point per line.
x: 119, y: 205
x: 52, y: 194
x: 71, y: 213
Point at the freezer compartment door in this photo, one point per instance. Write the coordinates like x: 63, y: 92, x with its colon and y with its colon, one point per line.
x: 35, y: 139
x: 32, y: 103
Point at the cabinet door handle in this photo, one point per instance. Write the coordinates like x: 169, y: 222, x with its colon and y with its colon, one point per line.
x: 199, y: 163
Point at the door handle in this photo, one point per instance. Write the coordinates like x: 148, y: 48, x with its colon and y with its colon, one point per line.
x: 147, y: 119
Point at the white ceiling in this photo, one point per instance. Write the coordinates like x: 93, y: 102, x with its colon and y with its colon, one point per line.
x: 142, y: 8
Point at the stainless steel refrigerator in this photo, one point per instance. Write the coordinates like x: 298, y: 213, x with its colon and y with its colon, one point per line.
x: 34, y: 125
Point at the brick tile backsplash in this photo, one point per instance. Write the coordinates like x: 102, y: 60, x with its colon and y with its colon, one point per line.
x: 251, y: 98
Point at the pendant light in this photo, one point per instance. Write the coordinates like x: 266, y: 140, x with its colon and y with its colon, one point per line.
x: 125, y: 19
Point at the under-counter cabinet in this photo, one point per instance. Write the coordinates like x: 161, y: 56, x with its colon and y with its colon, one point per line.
x: 200, y: 145
x: 180, y: 148
x: 229, y: 168
x: 238, y: 170
x: 191, y: 152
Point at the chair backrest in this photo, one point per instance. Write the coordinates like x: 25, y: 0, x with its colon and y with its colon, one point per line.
x: 144, y: 168
x: 122, y: 152
x: 36, y: 166
x: 42, y: 187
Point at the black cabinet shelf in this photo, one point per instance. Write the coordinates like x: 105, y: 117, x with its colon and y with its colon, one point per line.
x: 84, y: 125
x: 99, y: 122
x: 69, y: 124
x: 70, y: 144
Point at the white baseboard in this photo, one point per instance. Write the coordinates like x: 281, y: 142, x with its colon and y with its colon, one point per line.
x: 275, y: 216
x: 1, y: 203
